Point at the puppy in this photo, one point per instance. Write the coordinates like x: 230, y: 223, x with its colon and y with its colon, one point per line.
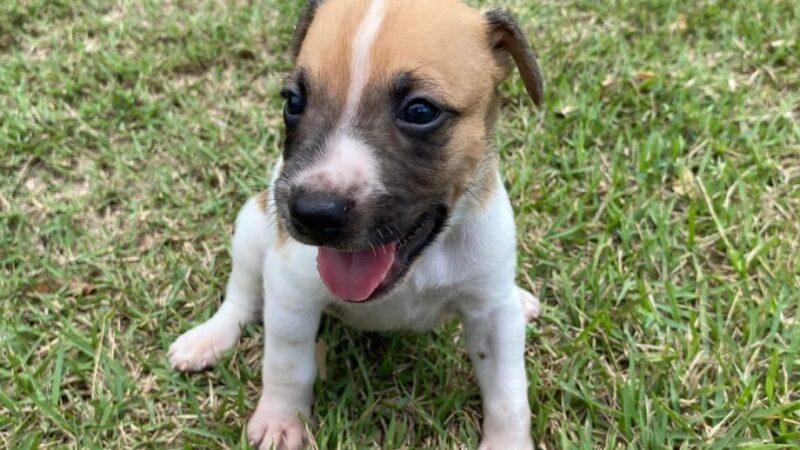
x: 386, y: 209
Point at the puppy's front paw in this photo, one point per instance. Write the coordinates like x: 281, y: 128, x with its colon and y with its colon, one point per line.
x: 268, y: 431
x: 201, y: 346
x: 506, y: 443
x: 530, y: 304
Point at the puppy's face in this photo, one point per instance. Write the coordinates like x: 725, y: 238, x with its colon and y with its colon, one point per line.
x: 387, y: 116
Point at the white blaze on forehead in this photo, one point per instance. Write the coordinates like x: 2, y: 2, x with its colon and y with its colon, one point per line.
x: 349, y: 164
x: 360, y: 58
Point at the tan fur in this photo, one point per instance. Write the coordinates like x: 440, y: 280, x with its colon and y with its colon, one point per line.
x: 283, y: 236
x: 326, y: 51
x: 462, y: 71
x: 262, y: 200
x: 411, y: 39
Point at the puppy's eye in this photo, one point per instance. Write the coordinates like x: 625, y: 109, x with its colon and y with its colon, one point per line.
x: 295, y: 104
x: 420, y: 112
x: 294, y: 107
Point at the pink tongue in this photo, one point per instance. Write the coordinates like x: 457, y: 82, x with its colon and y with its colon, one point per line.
x: 354, y: 276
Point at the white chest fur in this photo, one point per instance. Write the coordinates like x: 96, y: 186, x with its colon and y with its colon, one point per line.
x: 474, y: 252
x: 468, y: 271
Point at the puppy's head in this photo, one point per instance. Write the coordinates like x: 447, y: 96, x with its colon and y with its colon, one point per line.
x: 388, y: 112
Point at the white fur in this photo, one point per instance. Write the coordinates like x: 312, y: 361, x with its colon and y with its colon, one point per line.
x: 359, y: 58
x: 468, y: 271
x: 348, y: 165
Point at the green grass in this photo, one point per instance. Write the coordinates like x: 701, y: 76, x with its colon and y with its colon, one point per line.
x: 657, y: 198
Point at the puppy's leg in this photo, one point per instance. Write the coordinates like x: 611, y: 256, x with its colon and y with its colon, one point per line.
x: 200, y: 347
x: 289, y: 368
x: 530, y: 304
x: 495, y: 337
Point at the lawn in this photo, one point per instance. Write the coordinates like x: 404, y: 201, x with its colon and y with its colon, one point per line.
x: 657, y: 196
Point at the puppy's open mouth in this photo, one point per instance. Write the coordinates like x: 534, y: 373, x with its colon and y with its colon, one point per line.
x: 358, y: 276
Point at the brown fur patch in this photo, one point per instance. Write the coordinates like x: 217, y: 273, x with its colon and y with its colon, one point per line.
x: 327, y: 49
x: 262, y: 200
x: 454, y: 54
x: 283, y: 235
x: 443, y: 40
x: 480, y: 188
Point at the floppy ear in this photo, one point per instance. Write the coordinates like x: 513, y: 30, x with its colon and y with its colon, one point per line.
x: 300, y: 30
x: 505, y: 37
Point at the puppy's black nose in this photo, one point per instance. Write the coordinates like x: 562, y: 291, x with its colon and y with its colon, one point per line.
x: 321, y: 216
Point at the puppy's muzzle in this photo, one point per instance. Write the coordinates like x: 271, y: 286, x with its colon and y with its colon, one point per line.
x: 322, y: 217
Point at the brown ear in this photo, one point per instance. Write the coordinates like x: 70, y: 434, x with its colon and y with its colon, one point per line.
x: 506, y: 38
x: 300, y: 30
